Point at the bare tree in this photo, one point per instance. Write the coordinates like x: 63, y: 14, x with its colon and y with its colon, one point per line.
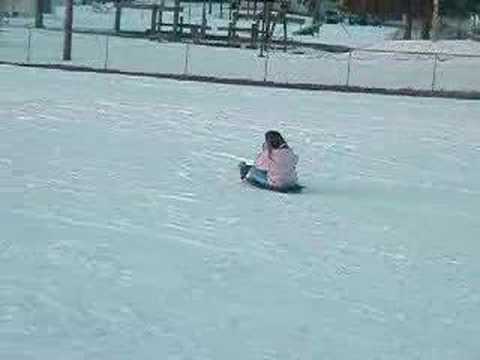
x: 436, y: 19
x: 409, y: 19
x: 427, y: 18
x: 316, y: 11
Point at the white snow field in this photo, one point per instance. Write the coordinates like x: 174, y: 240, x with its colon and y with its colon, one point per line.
x: 126, y: 233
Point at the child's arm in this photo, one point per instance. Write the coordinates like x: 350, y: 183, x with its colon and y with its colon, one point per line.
x: 263, y: 161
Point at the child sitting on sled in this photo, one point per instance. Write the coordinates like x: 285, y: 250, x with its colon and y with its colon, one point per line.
x: 275, y: 167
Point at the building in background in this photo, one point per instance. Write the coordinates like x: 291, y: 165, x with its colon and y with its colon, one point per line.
x: 18, y: 7
x: 384, y: 8
x: 417, y: 15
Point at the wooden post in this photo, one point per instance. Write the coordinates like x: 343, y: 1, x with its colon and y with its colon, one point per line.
x: 210, y: 7
x: 118, y: 17
x: 221, y: 9
x: 254, y: 35
x: 181, y: 27
x: 408, y: 20
x: 283, y: 14
x: 194, y: 32
x: 427, y: 20
x: 272, y: 28
x: 230, y: 32
x: 264, y: 29
x: 160, y: 20
x: 316, y: 12
x: 267, y: 22
x: 153, y: 24
x: 47, y: 6
x: 204, y: 21
x: 176, y: 14
x: 67, y: 43
x: 39, y: 14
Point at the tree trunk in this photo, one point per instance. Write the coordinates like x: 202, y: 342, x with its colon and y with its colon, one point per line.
x: 409, y: 19
x: 427, y: 19
x: 39, y: 14
x: 427, y: 26
x: 265, y: 25
x: 47, y: 7
x: 316, y: 12
x: 436, y: 19
x: 176, y: 18
x: 460, y: 32
x: 67, y: 43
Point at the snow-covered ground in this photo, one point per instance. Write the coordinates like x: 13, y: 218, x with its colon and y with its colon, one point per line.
x: 454, y: 47
x: 126, y: 233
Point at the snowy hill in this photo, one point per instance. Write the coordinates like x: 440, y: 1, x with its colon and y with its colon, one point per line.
x: 126, y: 233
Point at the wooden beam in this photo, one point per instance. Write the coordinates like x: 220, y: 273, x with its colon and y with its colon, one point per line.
x: 176, y: 15
x: 118, y: 18
x: 126, y: 5
x: 153, y: 23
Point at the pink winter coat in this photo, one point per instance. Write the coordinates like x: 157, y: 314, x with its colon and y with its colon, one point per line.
x: 280, y: 166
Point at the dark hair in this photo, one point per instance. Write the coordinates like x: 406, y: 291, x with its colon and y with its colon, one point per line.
x: 274, y: 140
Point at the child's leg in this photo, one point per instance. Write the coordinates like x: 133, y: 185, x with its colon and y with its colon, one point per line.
x: 244, y: 169
x: 258, y: 176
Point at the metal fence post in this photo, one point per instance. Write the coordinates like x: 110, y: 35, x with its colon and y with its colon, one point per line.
x: 29, y: 45
x: 265, y: 73
x: 349, y: 67
x: 107, y: 52
x: 434, y: 76
x: 187, y: 59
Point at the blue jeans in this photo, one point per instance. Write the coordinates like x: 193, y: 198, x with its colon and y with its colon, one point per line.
x: 259, y: 177
x: 253, y: 175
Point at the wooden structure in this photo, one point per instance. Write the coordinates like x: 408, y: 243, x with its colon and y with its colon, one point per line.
x: 176, y: 28
x: 264, y: 18
x: 157, y: 12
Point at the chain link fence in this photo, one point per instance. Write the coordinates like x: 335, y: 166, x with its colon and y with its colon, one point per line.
x: 357, y: 68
